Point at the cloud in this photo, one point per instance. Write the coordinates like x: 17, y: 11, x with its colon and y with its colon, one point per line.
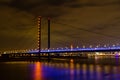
x: 5, y: 1
x: 18, y: 22
x: 93, y: 3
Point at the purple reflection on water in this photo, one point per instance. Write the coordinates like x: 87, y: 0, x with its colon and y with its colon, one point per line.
x: 116, y: 55
x: 74, y: 71
x: 104, y: 69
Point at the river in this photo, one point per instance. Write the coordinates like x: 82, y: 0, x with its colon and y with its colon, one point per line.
x: 84, y: 69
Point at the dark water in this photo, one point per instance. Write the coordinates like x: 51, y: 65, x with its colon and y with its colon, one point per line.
x: 106, y: 69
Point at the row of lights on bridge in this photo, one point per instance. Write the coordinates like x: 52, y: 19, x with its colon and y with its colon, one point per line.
x: 71, y: 47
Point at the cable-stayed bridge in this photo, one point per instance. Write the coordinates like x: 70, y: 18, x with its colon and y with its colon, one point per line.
x: 49, y: 50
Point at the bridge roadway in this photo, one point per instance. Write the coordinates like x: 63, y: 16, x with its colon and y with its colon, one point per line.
x: 112, y: 49
x: 44, y: 54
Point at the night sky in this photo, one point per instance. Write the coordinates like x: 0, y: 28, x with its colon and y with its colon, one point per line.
x: 78, y: 22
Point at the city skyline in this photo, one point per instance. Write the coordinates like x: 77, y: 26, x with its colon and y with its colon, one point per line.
x: 18, y: 23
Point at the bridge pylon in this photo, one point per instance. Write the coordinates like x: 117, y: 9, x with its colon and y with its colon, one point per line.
x: 39, y: 34
x: 48, y: 37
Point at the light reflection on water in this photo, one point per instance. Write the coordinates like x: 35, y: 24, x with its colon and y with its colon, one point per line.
x: 37, y: 71
x: 76, y: 71
x: 59, y: 71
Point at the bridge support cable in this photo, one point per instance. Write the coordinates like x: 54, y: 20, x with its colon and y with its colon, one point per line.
x: 87, y: 30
